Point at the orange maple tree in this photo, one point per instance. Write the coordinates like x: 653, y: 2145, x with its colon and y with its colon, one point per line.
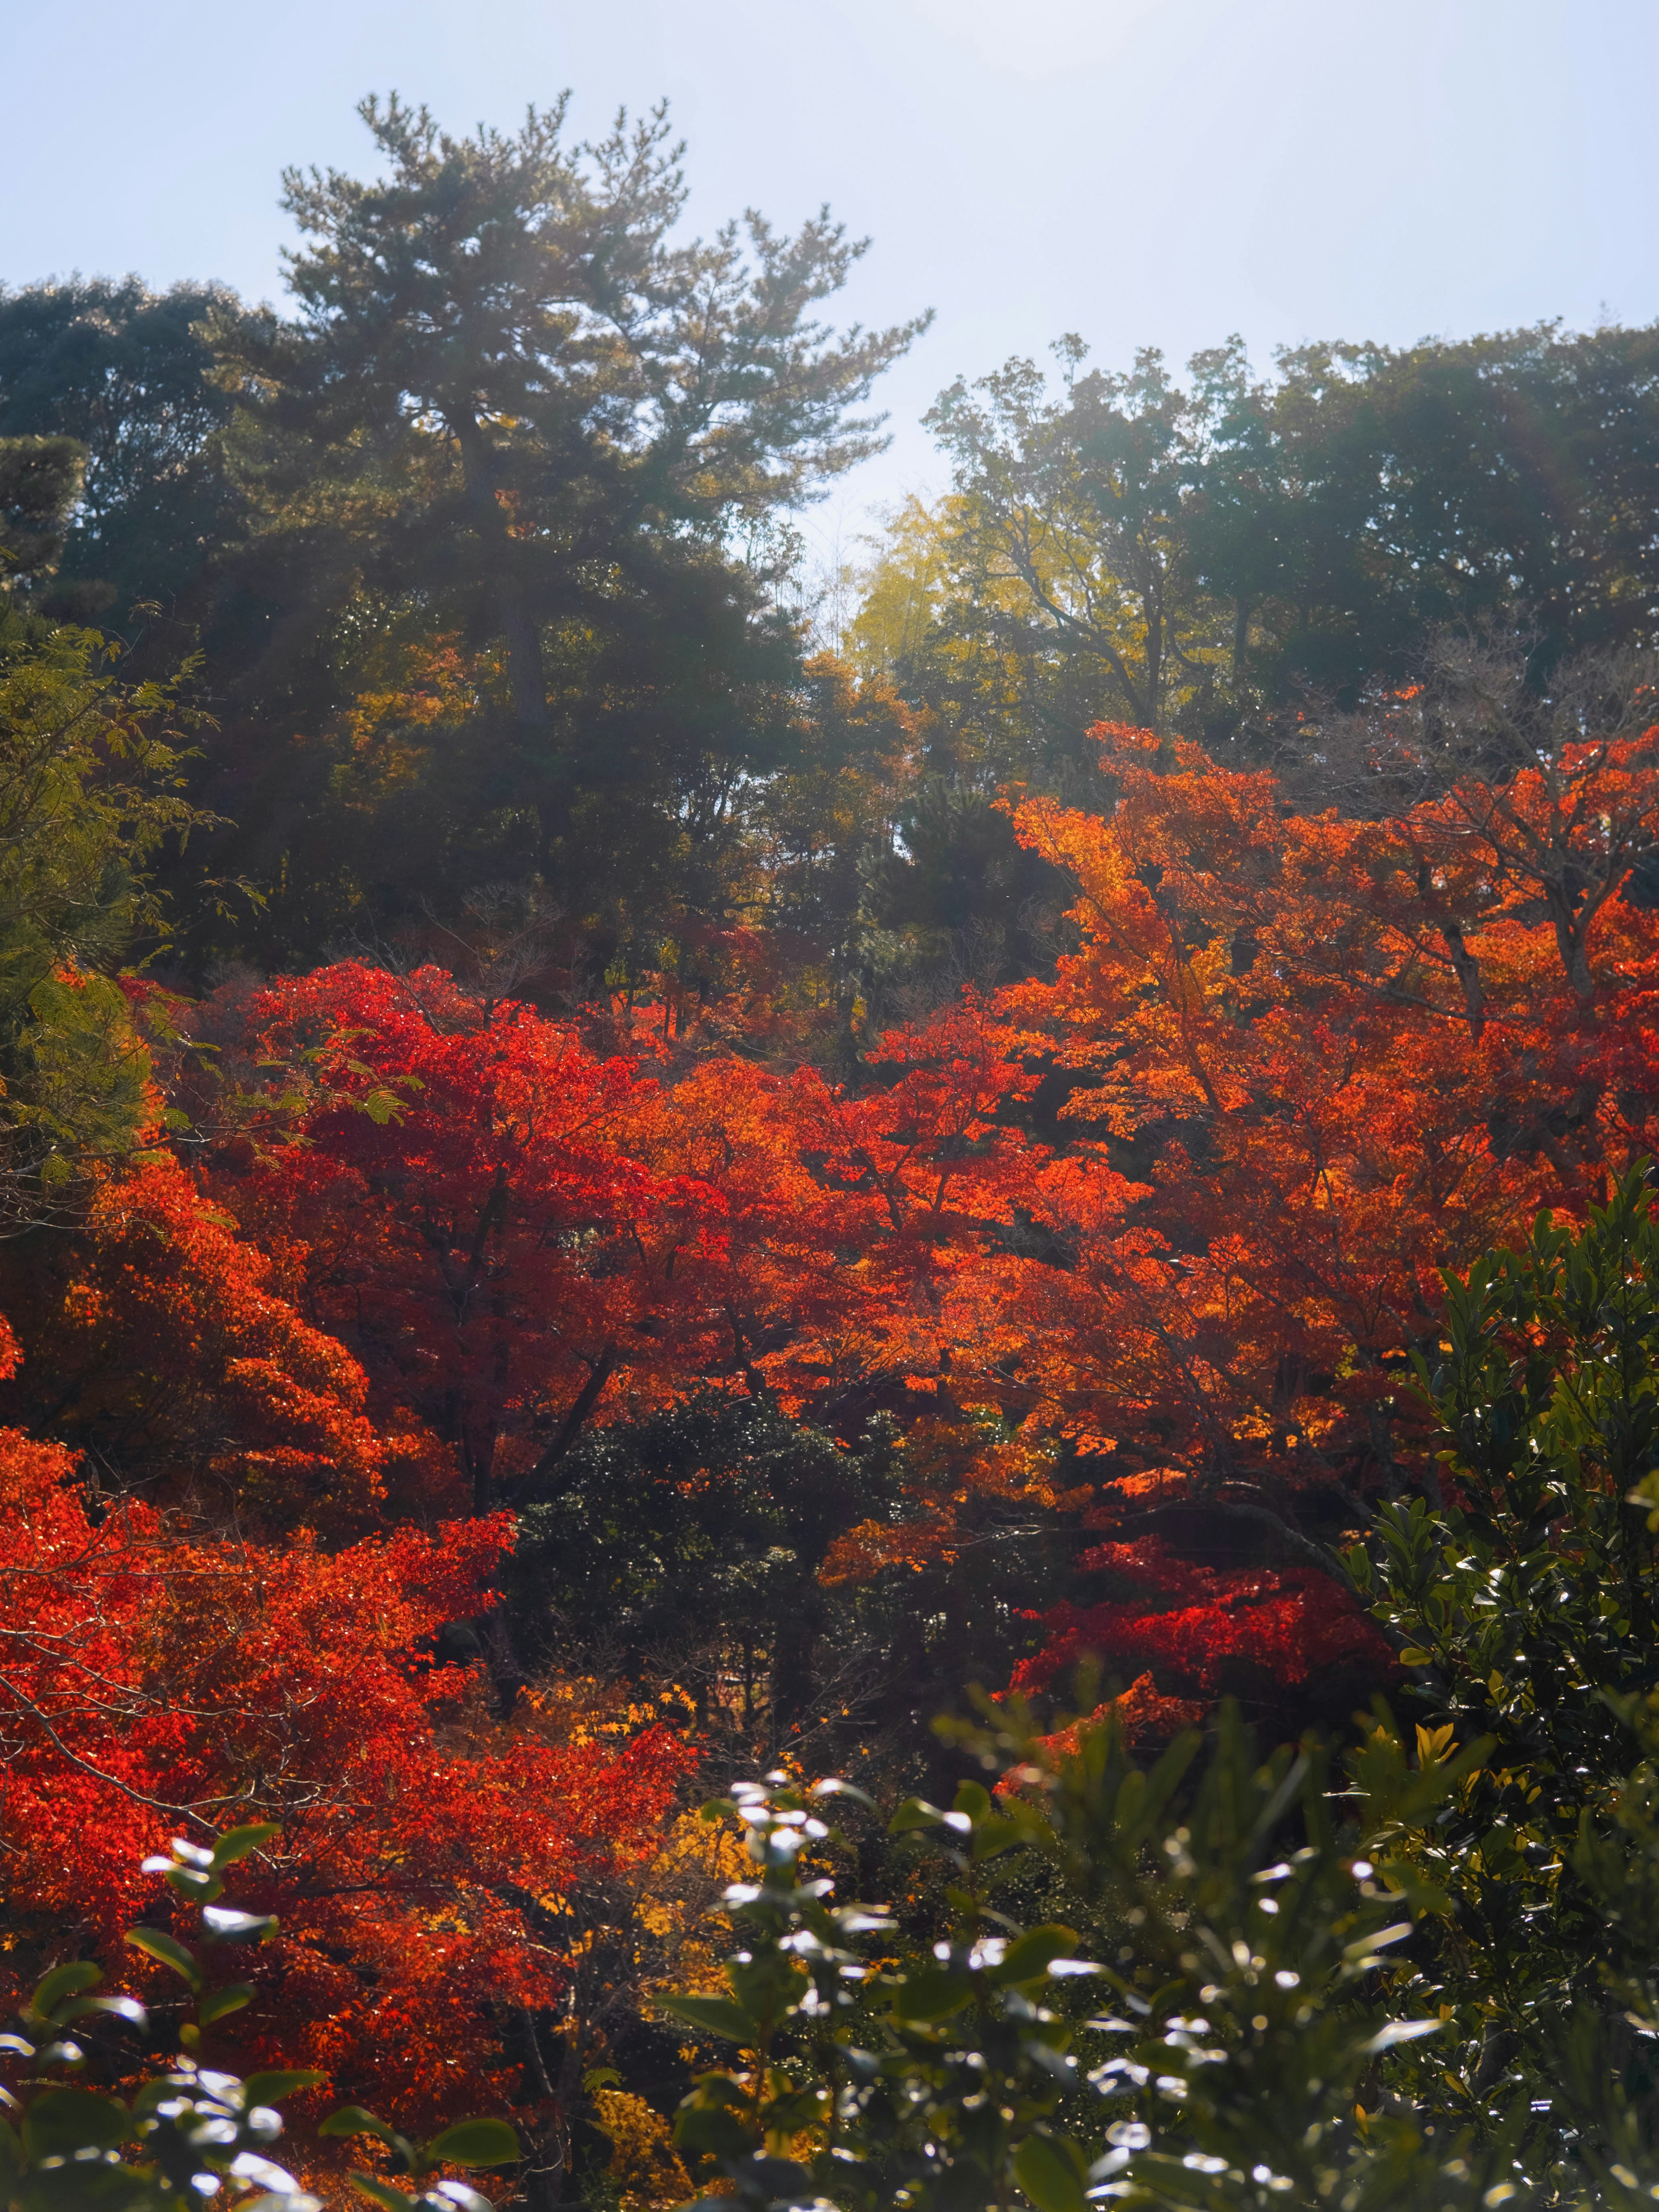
x: 1338, y: 1055
x: 1312, y: 1061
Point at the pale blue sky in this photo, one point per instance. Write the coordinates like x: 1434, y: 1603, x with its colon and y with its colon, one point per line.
x: 1141, y: 171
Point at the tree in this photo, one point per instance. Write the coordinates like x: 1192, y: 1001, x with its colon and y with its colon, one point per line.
x: 1068, y: 527
x: 1296, y: 1064
x: 155, y: 1344
x: 1238, y: 2028
x: 504, y: 320
x: 1264, y: 2035
x: 691, y: 1545
x: 825, y: 823
x: 1000, y: 701
x: 1238, y: 1019
x: 518, y: 1237
x: 1220, y: 553
x: 127, y: 374
x: 464, y: 1200
x: 40, y: 480
x: 1197, y: 1630
x: 512, y: 415
x: 1365, y: 498
x: 90, y: 775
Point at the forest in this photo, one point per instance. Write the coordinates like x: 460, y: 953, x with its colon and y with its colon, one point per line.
x: 851, y: 1385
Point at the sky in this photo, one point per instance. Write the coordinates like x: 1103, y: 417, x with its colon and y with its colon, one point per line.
x: 1140, y: 172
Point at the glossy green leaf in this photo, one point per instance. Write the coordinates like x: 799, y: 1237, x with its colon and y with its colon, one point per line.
x: 65, y: 1981
x: 199, y: 1885
x: 268, y: 2087
x: 932, y: 1993
x: 476, y: 2142
x: 447, y: 2193
x: 711, y: 2130
x: 1048, y: 2174
x: 1026, y: 1958
x: 236, y: 1843
x: 61, y: 2122
x: 226, y: 1926
x: 157, y: 1944
x: 221, y: 2002
x: 127, y: 2009
x: 381, y: 2193
x: 349, y: 2120
x: 914, y: 1813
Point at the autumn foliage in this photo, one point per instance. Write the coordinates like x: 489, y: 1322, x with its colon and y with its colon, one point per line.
x: 148, y: 1677
x: 1131, y: 1260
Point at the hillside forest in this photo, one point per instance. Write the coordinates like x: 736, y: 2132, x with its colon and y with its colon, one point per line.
x: 1018, y: 1178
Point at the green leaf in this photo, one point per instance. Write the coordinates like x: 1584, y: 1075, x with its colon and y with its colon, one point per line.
x: 350, y: 2120
x: 66, y: 1981
x: 225, y: 1924
x: 476, y: 2142
x: 60, y: 2121
x: 833, y: 1787
x: 1049, y: 2176
x: 157, y: 1944
x: 223, y: 2002
x: 195, y: 1884
x: 156, y: 2091
x: 266, y: 2088
x: 236, y: 1843
x: 720, y: 2134
x: 932, y: 1994
x: 381, y: 2193
x: 120, y: 2008
x: 716, y: 2017
x: 993, y: 1835
x: 1401, y: 2031
x: 1362, y: 1946
x: 914, y: 1813
x: 1026, y: 1960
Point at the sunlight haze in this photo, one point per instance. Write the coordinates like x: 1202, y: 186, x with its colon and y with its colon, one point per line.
x: 1144, y: 172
